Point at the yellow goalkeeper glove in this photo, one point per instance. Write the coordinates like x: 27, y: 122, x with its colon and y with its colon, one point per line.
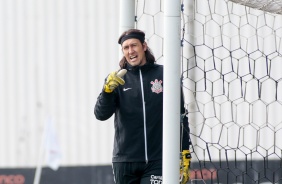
x: 114, y: 80
x: 185, y: 166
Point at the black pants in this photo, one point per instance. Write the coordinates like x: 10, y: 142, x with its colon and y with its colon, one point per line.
x: 138, y: 172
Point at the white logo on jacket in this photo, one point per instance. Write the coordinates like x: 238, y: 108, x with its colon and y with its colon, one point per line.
x: 125, y: 89
x: 157, y: 86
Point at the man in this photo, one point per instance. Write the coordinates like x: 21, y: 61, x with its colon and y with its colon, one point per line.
x: 137, y: 102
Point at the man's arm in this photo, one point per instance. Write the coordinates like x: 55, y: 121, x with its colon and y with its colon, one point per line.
x: 185, y: 156
x: 185, y: 137
x: 105, y: 106
x: 106, y: 101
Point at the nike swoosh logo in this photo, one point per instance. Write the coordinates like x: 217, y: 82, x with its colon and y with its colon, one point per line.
x: 125, y: 89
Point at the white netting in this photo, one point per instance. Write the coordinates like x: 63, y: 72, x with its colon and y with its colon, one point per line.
x: 232, y: 80
x: 273, y: 6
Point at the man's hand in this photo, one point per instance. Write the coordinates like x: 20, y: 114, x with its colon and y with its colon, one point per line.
x: 114, y: 80
x: 185, y: 166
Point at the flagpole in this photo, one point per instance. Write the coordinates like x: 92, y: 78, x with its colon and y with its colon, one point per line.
x: 49, y: 150
x: 38, y: 169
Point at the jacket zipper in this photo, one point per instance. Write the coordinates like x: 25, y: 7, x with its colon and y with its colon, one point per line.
x: 144, y: 114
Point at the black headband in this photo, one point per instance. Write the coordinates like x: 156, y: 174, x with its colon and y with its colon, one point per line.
x: 138, y: 36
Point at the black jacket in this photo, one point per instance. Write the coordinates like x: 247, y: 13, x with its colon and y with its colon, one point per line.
x: 138, y: 109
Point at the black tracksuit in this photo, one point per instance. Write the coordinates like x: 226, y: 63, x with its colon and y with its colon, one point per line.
x: 138, y: 109
x: 138, y: 115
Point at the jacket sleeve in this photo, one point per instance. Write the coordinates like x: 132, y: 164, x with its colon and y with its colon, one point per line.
x: 185, y: 131
x: 105, y: 105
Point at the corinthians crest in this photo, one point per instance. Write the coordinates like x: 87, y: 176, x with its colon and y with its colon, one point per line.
x: 157, y: 86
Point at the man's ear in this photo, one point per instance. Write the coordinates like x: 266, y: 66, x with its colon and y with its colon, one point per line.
x: 145, y: 46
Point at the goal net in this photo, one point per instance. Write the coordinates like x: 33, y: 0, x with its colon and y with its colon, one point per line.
x: 232, y: 81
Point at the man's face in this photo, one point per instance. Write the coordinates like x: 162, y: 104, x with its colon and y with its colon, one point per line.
x: 134, y: 51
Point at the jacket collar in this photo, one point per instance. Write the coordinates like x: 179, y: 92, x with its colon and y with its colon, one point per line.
x: 146, y: 66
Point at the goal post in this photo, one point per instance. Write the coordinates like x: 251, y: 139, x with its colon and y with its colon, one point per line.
x: 231, y: 64
x: 126, y: 15
x: 171, y: 92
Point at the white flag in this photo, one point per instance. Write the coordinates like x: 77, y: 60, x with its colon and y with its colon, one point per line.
x: 52, y: 148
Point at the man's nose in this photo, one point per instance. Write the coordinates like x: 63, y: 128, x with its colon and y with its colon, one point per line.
x: 130, y: 50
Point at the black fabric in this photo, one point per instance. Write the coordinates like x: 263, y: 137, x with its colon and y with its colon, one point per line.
x: 137, y: 172
x: 135, y: 141
x: 136, y: 35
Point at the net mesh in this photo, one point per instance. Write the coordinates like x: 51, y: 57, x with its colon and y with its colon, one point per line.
x: 232, y: 81
x: 272, y: 6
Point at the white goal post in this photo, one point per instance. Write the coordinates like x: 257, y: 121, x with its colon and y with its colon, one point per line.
x: 231, y: 63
